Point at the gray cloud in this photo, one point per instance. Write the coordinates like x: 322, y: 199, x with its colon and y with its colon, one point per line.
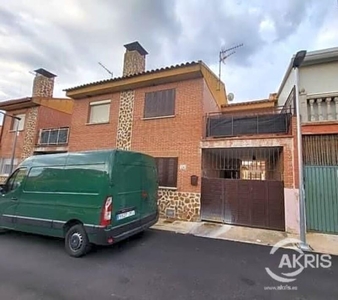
x: 70, y: 38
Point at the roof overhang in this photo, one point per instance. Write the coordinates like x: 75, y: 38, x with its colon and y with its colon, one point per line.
x: 60, y: 104
x: 250, y: 105
x: 151, y: 78
x: 16, y: 104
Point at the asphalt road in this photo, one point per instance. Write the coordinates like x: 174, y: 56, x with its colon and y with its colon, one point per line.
x: 158, y: 265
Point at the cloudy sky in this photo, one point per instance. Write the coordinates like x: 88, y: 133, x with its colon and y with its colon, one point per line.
x: 69, y: 38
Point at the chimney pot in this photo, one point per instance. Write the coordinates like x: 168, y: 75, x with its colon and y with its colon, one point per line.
x: 134, y: 59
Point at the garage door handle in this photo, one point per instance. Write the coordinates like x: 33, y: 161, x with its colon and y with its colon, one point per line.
x: 14, y: 199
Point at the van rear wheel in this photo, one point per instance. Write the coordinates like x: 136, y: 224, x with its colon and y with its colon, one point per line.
x: 76, y: 241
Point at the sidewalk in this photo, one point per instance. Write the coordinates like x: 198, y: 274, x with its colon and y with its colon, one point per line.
x: 322, y: 243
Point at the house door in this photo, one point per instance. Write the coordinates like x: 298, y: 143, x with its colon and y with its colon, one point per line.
x: 243, y: 187
x: 321, y: 196
x: 321, y: 182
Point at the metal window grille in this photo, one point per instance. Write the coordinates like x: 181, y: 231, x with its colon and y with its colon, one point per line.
x: 265, y: 163
x: 55, y: 136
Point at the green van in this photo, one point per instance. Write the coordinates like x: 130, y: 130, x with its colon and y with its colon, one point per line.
x: 90, y: 197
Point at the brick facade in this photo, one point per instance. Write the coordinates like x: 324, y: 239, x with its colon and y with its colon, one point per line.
x: 177, y: 136
x: 320, y: 128
x: 8, y: 135
x: 85, y: 136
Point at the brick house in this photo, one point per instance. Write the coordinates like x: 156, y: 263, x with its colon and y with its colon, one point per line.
x: 248, y: 159
x: 159, y: 112
x: 318, y: 99
x: 44, y: 124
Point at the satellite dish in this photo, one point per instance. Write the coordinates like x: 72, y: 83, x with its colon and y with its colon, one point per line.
x: 231, y: 96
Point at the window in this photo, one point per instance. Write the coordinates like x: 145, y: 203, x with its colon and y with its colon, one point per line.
x: 16, y: 179
x: 159, y: 104
x: 40, y: 179
x: 21, y: 122
x: 5, y: 165
x: 71, y: 178
x: 58, y: 136
x: 99, y: 112
x: 167, y: 171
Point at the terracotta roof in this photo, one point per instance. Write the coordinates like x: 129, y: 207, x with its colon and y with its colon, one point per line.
x: 249, y: 102
x: 134, y: 75
x: 15, y: 101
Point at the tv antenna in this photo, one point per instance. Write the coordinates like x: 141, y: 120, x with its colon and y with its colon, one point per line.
x: 223, y: 55
x: 111, y: 73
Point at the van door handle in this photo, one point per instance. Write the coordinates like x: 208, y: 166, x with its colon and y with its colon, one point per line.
x: 14, y: 199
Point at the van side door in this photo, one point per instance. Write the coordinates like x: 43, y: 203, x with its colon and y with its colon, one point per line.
x: 9, y: 198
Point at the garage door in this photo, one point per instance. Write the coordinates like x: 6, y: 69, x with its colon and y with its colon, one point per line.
x: 253, y: 203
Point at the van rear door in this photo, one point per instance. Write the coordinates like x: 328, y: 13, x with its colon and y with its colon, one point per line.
x: 127, y: 196
x: 149, y: 191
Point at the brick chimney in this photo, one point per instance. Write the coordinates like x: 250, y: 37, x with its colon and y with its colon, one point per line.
x: 134, y: 59
x: 43, y: 84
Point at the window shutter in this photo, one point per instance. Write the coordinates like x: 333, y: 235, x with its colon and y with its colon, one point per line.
x: 99, y: 113
x: 172, y: 172
x: 160, y: 103
x: 167, y: 171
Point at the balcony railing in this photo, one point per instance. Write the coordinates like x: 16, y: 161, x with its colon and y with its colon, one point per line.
x: 321, y: 109
x: 267, y: 121
x: 53, y: 136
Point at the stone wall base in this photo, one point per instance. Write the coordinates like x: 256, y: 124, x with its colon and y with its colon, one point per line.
x: 179, y: 205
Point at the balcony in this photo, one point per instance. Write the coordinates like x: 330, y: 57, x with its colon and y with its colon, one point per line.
x: 322, y: 108
x: 53, y: 137
x: 262, y: 122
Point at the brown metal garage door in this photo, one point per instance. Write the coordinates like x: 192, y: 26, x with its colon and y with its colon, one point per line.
x: 254, y: 203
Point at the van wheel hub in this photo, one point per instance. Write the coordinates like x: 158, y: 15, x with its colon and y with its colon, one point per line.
x: 76, y: 241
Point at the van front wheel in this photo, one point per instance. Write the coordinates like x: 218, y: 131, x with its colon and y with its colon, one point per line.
x: 76, y: 241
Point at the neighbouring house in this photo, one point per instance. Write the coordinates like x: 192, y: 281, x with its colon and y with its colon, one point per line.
x: 159, y: 112
x: 318, y: 99
x: 44, y: 124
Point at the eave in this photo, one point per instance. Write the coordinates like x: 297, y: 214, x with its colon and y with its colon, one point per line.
x: 137, y: 81
x: 250, y: 105
x: 59, y: 104
x: 171, y: 74
x: 17, y: 104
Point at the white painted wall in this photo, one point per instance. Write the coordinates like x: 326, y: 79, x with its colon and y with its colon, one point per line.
x: 318, y: 79
x: 315, y: 79
x: 286, y: 89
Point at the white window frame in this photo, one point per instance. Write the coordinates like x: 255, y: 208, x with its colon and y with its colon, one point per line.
x: 21, y: 122
x: 57, y: 142
x: 98, y: 103
x: 7, y: 162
